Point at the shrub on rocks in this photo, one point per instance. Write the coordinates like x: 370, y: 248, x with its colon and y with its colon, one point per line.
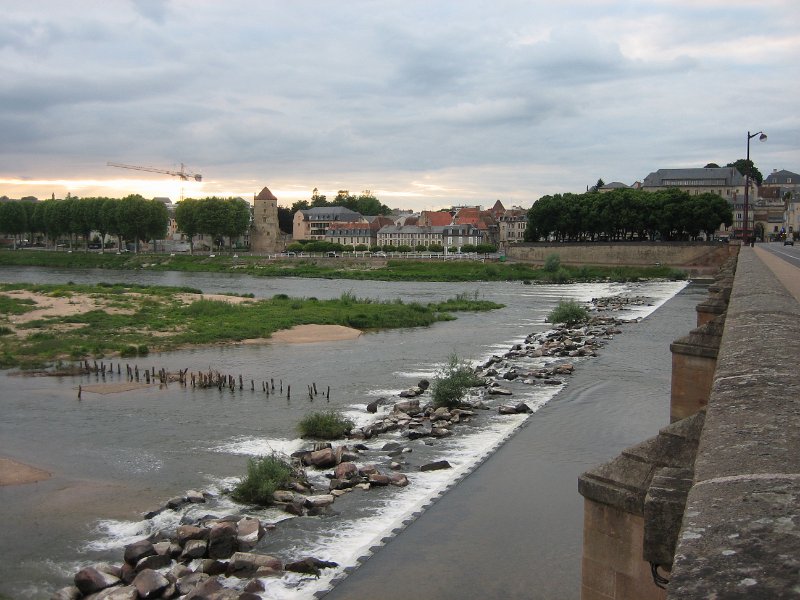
x: 325, y: 425
x: 568, y: 312
x: 452, y: 383
x: 264, y: 476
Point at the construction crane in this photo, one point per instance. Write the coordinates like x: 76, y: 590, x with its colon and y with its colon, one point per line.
x: 183, y: 173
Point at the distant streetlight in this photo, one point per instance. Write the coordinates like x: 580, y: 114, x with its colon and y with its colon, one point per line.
x: 746, y: 228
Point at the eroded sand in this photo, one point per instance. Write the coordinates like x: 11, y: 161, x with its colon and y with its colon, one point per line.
x: 16, y: 473
x: 305, y: 334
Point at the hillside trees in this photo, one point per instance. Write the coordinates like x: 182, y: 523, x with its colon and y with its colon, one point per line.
x: 625, y: 214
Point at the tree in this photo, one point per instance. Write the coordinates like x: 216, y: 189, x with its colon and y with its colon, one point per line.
x: 186, y: 218
x: 136, y: 218
x: 13, y: 219
x: 711, y: 166
x: 285, y: 219
x: 83, y: 218
x: 236, y: 218
x: 747, y: 168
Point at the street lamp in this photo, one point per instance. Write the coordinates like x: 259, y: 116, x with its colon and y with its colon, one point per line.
x: 746, y: 228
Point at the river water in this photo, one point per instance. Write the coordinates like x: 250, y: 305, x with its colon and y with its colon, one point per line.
x: 115, y: 456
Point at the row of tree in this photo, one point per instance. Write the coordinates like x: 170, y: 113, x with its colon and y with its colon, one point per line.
x: 216, y: 217
x: 625, y: 214
x: 364, y: 204
x: 131, y: 218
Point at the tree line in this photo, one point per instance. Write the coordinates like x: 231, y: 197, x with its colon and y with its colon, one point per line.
x: 131, y: 218
x: 364, y: 204
x: 216, y: 217
x: 627, y: 214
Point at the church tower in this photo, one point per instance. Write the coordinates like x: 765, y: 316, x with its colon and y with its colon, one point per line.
x: 265, y: 235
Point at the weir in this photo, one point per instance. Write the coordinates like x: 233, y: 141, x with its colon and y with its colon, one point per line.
x: 709, y: 507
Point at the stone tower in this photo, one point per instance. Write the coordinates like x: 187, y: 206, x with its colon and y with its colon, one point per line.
x: 265, y: 235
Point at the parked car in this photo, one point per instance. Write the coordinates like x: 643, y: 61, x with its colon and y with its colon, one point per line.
x: 788, y: 242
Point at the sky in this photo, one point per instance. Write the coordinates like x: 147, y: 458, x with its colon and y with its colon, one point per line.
x: 425, y: 103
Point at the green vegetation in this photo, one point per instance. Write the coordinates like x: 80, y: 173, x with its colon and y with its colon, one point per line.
x: 264, y: 476
x: 568, y: 312
x: 626, y: 214
x: 135, y: 319
x: 452, y: 382
x: 395, y: 270
x: 325, y: 425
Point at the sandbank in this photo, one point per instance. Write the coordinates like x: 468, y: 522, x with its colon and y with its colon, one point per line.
x: 113, y: 388
x: 306, y: 334
x: 16, y: 473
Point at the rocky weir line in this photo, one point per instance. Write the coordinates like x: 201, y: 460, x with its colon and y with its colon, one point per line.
x: 214, y: 558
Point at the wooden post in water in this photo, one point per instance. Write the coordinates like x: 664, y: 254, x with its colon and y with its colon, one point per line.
x: 288, y: 392
x: 80, y: 389
x: 315, y: 388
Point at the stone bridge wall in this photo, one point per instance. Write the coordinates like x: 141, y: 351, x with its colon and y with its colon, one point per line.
x: 697, y: 256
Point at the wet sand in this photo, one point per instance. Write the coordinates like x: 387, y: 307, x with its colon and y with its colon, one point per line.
x: 513, y: 528
x: 306, y: 334
x: 13, y: 472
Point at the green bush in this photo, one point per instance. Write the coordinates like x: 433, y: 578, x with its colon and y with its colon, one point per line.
x: 568, y: 312
x: 452, y: 382
x: 325, y: 425
x: 552, y: 263
x: 264, y: 476
x: 5, y: 330
x: 127, y: 352
x: 143, y: 350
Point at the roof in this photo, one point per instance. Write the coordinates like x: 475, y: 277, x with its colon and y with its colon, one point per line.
x: 265, y: 194
x: 782, y: 177
x: 437, y: 218
x: 615, y: 185
x: 713, y: 176
x: 330, y: 213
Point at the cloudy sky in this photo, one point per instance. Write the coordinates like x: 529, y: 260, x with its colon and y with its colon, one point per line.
x: 426, y: 103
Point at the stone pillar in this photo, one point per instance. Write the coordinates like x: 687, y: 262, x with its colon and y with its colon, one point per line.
x: 694, y: 361
x: 265, y: 235
x: 621, y: 537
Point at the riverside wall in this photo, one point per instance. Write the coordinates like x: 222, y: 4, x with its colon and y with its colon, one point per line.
x: 699, y: 257
x: 710, y: 508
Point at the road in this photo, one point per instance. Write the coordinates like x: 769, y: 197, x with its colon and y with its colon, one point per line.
x: 784, y: 261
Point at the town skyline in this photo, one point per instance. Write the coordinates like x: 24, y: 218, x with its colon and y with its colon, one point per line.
x: 425, y: 105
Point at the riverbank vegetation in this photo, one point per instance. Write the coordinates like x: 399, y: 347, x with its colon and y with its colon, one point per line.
x: 335, y: 268
x: 46, y: 323
x: 324, y: 425
x: 265, y: 475
x: 452, y: 383
x: 569, y: 313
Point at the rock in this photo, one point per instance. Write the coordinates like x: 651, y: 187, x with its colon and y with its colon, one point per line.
x: 176, y: 502
x: 379, y: 479
x: 138, y: 550
x: 90, y: 580
x: 194, y: 549
x: 398, y: 479
x: 66, y: 593
x: 415, y: 434
x: 212, y: 566
x: 195, y: 497
x: 127, y: 592
x: 155, y: 561
x: 412, y: 392
x: 345, y: 470
x: 319, y: 500
x: 499, y: 391
x: 424, y: 384
x: 309, y: 566
x: 248, y: 532
x: 245, y: 564
x: 150, y: 584
x: 254, y: 586
x: 189, y: 582
x: 436, y: 466
x: 162, y: 548
x: 222, y: 540
x: 321, y: 459
x: 205, y: 589
x: 516, y: 409
x: 294, y: 508
x: 283, y: 496
x: 372, y: 407
x: 410, y: 407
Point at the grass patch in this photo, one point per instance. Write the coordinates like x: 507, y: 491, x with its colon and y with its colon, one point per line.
x: 265, y: 475
x: 452, y: 382
x: 325, y: 425
x: 568, y: 312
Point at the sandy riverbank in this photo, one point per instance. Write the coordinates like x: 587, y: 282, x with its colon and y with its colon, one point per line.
x: 305, y: 334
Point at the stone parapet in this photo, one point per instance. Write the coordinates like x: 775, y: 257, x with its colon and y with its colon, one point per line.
x: 694, y: 361
x: 740, y: 535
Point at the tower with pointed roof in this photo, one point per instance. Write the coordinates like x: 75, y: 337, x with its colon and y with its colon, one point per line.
x: 265, y: 235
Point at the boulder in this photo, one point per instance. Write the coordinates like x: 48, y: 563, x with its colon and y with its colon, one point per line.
x: 212, y: 566
x: 412, y: 392
x: 372, y: 407
x: 155, y: 561
x: 194, y: 549
x: 309, y: 566
x: 245, y: 564
x: 436, y: 466
x: 283, y: 496
x: 410, y: 407
x: 66, y: 593
x: 321, y: 459
x: 254, y: 586
x: 516, y: 409
x: 176, y: 502
x: 424, y: 384
x: 319, y: 500
x: 222, y: 540
x: 90, y: 580
x: 150, y: 584
x: 345, y: 470
x: 127, y: 592
x: 248, y: 532
x: 379, y: 479
x: 499, y: 391
x: 398, y: 479
x: 195, y: 497
x: 185, y: 533
x: 204, y: 589
x: 138, y: 550
x: 189, y: 582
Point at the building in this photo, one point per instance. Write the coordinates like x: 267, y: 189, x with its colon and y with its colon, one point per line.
x: 265, y: 234
x: 512, y: 226
x: 610, y: 187
x: 313, y: 223
x: 363, y: 233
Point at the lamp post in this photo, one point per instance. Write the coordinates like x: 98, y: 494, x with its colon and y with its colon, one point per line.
x: 746, y: 225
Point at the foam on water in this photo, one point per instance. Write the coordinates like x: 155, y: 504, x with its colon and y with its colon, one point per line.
x: 256, y: 446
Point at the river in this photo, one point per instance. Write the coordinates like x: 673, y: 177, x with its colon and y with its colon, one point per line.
x: 116, y: 456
